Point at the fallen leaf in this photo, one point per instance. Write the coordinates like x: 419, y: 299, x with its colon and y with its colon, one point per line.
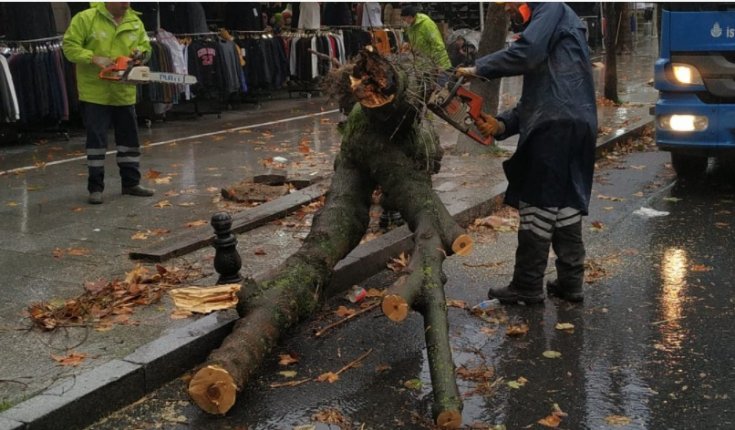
x: 12, y: 204
x: 481, y: 373
x: 79, y: 252
x: 287, y: 359
x: 610, y: 198
x: 163, y: 204
x: 162, y: 181
x: 288, y: 373
x: 197, y: 223
x: 552, y: 421
x: 552, y: 354
x: 152, y: 174
x: 344, y: 312
x: 596, y: 226
x: 382, y: 368
x: 564, y: 326
x: 518, y: 383
x: 617, y: 420
x: 517, y: 329
x: 637, y: 167
x: 461, y: 304
x: 700, y: 268
x: 330, y: 377
x: 374, y: 292
x: 72, y: 359
x: 331, y: 416
x: 638, y: 194
x: 671, y: 199
x: 259, y: 251
x: 141, y: 235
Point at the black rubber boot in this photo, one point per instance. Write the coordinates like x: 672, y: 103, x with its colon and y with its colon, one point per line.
x: 527, y: 285
x: 570, y: 253
x: 565, y: 293
x: 510, y: 296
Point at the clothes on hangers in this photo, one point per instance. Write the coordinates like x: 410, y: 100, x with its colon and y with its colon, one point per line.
x: 215, y: 63
x: 39, y: 74
x: 9, y: 110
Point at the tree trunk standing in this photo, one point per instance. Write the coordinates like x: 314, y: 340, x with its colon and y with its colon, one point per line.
x: 612, y: 13
x: 492, y: 39
x: 625, y: 33
x: 385, y: 144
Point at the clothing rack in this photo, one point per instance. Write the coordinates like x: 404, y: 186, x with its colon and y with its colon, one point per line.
x: 43, y: 39
x: 27, y: 127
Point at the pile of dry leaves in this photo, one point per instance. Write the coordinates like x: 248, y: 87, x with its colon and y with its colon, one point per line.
x: 105, y: 303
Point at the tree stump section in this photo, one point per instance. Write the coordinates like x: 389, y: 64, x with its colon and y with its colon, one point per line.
x: 384, y: 144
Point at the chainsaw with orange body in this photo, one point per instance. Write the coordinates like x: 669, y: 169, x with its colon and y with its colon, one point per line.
x: 460, y: 107
x: 130, y: 70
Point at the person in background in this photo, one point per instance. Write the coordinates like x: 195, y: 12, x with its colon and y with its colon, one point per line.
x: 371, y: 15
x: 93, y: 40
x: 550, y: 173
x: 424, y: 36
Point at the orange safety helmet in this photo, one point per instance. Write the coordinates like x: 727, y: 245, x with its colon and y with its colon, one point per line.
x: 525, y: 12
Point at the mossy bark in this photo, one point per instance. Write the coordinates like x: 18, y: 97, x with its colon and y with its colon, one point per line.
x: 384, y: 144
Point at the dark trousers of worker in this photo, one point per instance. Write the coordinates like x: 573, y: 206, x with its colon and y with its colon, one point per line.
x: 97, y: 121
x: 539, y: 229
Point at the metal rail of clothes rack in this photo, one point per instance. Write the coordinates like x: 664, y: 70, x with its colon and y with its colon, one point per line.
x: 21, y: 131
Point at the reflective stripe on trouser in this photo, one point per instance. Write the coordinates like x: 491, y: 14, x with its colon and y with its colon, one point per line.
x: 97, y: 121
x: 540, y: 228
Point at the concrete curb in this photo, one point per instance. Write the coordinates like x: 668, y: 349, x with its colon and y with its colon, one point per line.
x: 78, y: 402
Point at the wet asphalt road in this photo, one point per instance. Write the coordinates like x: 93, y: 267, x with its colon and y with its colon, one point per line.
x: 652, y: 347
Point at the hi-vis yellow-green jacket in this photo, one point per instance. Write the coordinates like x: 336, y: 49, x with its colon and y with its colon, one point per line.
x: 93, y: 32
x: 425, y: 37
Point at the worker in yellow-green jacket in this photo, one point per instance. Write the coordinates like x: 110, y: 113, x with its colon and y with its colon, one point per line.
x: 95, y: 38
x: 424, y: 37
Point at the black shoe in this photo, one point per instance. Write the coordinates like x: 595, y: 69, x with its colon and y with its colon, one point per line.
x: 138, y: 190
x: 509, y: 296
x: 95, y: 198
x: 569, y: 294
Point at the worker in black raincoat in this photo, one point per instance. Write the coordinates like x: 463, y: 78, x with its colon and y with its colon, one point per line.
x: 550, y: 174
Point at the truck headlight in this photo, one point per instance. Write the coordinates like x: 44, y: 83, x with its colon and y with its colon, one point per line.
x: 683, y: 122
x: 686, y: 74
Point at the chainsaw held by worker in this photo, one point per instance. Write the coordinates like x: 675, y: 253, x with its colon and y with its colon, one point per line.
x: 130, y: 70
x: 460, y: 107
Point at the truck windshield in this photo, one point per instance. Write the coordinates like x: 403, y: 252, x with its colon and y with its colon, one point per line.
x: 699, y: 6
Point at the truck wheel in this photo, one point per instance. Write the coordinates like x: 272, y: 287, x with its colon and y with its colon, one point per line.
x: 687, y: 165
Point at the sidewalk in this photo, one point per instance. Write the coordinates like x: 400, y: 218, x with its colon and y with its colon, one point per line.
x: 48, y: 224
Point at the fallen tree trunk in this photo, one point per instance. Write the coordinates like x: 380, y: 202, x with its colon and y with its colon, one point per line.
x: 383, y: 144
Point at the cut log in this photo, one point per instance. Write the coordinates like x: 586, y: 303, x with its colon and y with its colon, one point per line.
x: 213, y: 389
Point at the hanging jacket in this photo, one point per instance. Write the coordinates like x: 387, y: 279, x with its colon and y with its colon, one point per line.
x: 426, y: 39
x: 93, y: 33
x: 549, y: 169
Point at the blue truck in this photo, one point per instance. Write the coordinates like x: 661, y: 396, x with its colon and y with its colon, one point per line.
x: 695, y: 77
